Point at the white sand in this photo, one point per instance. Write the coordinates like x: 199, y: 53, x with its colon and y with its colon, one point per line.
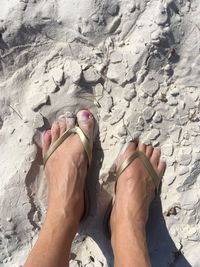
x: 136, y: 65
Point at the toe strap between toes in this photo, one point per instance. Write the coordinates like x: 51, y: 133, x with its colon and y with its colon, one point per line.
x: 63, y: 137
x: 138, y: 154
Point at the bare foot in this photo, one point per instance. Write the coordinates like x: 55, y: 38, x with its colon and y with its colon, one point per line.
x: 134, y: 193
x: 66, y: 170
x: 67, y: 167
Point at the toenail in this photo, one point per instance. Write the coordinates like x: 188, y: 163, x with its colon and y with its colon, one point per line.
x: 56, y: 123
x: 84, y: 116
x: 70, y: 115
x: 62, y: 119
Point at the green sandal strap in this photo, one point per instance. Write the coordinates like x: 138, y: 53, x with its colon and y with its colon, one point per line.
x: 146, y: 162
x: 64, y: 136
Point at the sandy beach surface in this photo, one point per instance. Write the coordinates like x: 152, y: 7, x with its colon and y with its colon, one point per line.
x: 136, y: 65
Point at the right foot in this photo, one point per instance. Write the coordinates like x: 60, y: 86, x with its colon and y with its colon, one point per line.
x: 135, y: 187
x: 134, y: 192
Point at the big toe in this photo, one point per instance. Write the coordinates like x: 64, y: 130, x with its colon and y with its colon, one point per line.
x: 85, y: 121
x: 126, y: 151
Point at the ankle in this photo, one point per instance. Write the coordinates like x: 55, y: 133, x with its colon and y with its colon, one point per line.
x: 125, y: 229
x: 128, y: 219
x: 133, y: 238
x: 63, y: 220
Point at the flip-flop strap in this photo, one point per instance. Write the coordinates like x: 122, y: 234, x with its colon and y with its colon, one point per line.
x: 146, y: 162
x: 64, y: 136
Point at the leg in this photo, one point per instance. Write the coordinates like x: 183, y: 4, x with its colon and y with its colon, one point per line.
x: 134, y: 193
x: 66, y: 171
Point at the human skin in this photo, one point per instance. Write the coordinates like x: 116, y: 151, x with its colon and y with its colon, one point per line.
x: 134, y: 193
x: 66, y: 171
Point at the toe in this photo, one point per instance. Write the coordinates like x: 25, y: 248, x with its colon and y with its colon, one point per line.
x: 155, y: 158
x: 70, y: 122
x: 161, y: 168
x: 85, y: 121
x: 46, y: 141
x: 55, y: 131
x: 129, y: 148
x: 142, y: 147
x: 62, y: 125
x: 126, y: 151
x: 149, y: 151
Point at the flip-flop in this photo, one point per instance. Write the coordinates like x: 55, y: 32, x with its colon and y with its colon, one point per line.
x: 156, y: 179
x: 84, y: 139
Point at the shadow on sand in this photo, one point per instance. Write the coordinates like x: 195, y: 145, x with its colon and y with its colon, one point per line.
x: 162, y: 250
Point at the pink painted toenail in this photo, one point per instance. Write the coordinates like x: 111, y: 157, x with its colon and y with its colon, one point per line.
x: 85, y: 115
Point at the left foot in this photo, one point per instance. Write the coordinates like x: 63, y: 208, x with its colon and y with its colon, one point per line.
x: 66, y: 171
x: 67, y: 167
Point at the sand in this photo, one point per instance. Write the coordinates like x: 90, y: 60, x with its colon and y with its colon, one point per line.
x: 136, y: 65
